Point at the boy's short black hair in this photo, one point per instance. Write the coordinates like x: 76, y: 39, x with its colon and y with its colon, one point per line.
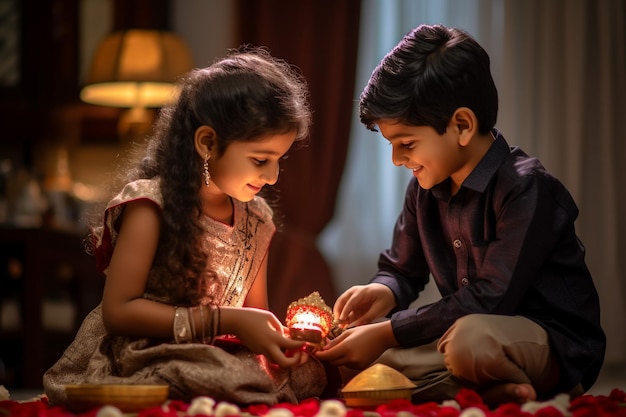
x: 433, y: 71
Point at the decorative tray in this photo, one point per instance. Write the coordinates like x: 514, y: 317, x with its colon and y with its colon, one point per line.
x: 128, y: 398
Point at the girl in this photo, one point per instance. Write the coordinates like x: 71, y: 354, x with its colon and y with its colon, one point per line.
x: 184, y: 248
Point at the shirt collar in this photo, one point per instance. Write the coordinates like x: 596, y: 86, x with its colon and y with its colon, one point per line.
x: 481, y: 175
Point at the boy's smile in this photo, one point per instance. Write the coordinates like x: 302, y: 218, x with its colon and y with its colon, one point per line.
x: 432, y: 157
x: 416, y: 171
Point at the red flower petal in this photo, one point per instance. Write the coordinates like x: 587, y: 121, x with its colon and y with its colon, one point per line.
x: 354, y: 412
x: 306, y: 408
x: 393, y: 407
x: 618, y: 395
x: 510, y: 410
x: 468, y: 398
x: 548, y: 411
x: 448, y: 411
x: 257, y: 409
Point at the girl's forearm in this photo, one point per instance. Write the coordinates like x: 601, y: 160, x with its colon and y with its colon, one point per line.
x: 139, y: 318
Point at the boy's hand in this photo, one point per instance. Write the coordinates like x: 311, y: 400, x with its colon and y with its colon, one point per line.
x: 363, y: 304
x: 358, y: 347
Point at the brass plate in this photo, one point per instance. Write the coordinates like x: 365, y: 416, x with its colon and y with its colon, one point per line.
x: 128, y: 398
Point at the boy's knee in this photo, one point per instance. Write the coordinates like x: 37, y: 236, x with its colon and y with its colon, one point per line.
x: 467, y: 346
x: 465, y: 334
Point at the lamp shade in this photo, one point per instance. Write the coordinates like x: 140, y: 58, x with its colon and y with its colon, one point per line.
x: 136, y: 69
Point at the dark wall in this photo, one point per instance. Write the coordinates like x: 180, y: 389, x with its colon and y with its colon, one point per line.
x: 43, y: 105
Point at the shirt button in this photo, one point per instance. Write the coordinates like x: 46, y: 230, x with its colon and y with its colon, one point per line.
x: 457, y: 243
x: 464, y: 281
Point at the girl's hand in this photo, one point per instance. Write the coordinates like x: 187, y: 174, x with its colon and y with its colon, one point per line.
x: 264, y: 334
x: 363, y: 304
x: 358, y: 347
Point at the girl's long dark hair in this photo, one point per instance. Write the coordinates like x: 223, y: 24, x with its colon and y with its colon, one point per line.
x: 245, y: 95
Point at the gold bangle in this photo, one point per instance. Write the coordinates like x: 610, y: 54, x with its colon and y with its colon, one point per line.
x: 211, y: 326
x: 219, y: 322
x: 181, y: 328
x: 202, y: 323
x: 192, y: 320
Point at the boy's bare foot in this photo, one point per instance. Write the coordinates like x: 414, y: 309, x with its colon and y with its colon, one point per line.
x: 508, y: 392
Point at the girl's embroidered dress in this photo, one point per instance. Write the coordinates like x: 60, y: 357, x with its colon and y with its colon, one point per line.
x: 225, y: 372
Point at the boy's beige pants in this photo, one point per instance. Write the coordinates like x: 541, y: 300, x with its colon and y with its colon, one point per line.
x: 477, y: 351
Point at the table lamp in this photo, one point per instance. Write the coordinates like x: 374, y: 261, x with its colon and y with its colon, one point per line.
x: 136, y: 69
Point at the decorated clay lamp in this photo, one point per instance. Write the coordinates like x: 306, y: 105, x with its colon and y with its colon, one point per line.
x: 309, y: 319
x: 377, y: 385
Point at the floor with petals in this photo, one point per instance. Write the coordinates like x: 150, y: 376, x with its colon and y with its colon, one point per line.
x: 609, y: 380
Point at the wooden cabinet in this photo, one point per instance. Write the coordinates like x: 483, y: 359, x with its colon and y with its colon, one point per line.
x: 48, y: 284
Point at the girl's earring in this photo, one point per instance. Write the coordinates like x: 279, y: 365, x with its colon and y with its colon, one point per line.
x: 205, y: 171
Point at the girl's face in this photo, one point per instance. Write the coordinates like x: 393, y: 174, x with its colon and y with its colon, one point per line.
x: 432, y: 157
x: 245, y: 167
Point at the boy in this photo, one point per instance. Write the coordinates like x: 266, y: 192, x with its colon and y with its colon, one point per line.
x: 519, y: 317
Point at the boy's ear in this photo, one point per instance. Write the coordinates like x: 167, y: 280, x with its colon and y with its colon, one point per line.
x: 466, y: 124
x: 205, y: 140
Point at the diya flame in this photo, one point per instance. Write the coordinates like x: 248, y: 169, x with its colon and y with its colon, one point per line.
x: 309, y: 319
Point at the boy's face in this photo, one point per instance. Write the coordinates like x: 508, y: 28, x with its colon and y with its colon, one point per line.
x: 432, y: 157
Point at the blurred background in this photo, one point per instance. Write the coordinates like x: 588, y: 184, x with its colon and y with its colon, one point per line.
x: 559, y: 66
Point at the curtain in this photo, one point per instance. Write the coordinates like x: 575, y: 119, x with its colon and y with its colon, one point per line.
x: 560, y: 69
x: 372, y: 189
x: 319, y: 37
x: 566, y: 108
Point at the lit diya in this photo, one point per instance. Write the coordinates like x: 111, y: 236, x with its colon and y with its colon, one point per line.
x: 309, y: 319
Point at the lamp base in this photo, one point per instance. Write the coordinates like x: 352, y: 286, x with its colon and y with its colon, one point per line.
x: 135, y: 123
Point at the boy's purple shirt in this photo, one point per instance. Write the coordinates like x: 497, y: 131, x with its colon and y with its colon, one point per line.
x: 505, y: 244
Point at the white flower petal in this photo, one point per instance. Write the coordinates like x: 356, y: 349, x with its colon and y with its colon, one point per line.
x: 201, y: 405
x: 560, y: 402
x: 109, y: 411
x: 279, y: 412
x: 331, y: 408
x: 224, y: 409
x: 563, y: 401
x: 451, y: 403
x: 531, y: 406
x: 472, y: 412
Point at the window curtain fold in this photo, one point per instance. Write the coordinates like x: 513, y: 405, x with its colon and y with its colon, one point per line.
x: 563, y: 99
x: 320, y: 38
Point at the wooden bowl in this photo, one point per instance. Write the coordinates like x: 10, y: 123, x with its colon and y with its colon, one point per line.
x: 377, y: 385
x: 128, y: 398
